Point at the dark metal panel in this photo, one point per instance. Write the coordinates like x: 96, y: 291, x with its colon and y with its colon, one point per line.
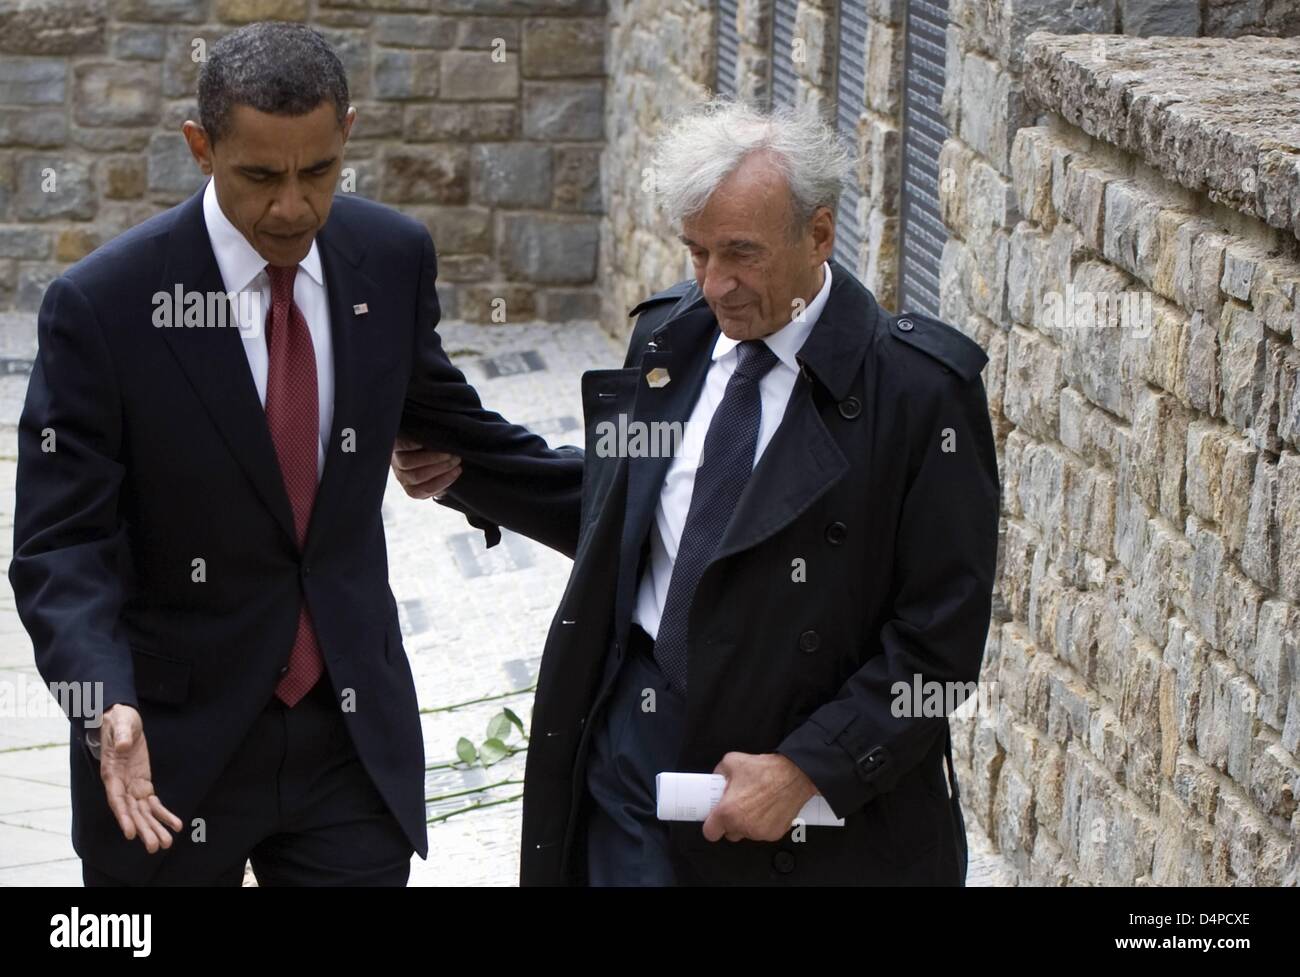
x: 783, y: 73
x: 850, y: 101
x: 728, y: 42
x: 922, y: 234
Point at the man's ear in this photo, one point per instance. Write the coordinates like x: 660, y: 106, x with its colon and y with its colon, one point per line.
x: 348, y: 119
x: 200, y: 146
x: 823, y: 234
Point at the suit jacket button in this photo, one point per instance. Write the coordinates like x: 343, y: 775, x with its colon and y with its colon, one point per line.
x: 905, y: 324
x: 836, y: 532
x: 783, y: 862
x: 284, y: 669
x: 809, y: 642
x: 850, y: 408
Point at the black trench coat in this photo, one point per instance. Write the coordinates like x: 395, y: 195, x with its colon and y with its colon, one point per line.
x: 898, y: 539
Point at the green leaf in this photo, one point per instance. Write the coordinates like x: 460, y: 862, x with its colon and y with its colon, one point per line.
x: 466, y: 750
x: 492, y: 751
x: 499, y: 727
x: 515, y: 720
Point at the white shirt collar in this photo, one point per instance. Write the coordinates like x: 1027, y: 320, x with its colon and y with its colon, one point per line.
x: 238, y: 260
x: 789, y: 339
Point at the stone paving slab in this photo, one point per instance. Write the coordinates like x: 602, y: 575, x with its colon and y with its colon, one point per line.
x: 473, y: 624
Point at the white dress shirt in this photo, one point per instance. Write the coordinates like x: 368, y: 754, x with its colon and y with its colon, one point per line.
x: 243, y: 268
x: 675, y: 499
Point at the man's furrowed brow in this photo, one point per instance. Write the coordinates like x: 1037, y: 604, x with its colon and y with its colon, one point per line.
x: 730, y: 243
x: 320, y: 164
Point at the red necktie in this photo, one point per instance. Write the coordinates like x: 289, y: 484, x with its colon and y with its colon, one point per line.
x: 291, y: 414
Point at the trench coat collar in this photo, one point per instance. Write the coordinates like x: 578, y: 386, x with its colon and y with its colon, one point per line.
x: 839, y: 339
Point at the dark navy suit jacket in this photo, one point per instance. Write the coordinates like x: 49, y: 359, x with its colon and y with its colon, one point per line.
x: 162, y: 457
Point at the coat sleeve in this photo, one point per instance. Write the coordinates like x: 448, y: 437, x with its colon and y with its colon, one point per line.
x: 70, y: 563
x: 510, y: 476
x: 858, y: 745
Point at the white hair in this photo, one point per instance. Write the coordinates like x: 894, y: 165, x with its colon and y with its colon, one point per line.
x: 701, y: 149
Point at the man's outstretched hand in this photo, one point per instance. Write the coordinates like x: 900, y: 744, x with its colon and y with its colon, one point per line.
x: 124, y: 768
x: 423, y: 473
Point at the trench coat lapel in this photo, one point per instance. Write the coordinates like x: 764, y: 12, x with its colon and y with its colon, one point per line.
x: 803, y: 460
x: 681, y: 346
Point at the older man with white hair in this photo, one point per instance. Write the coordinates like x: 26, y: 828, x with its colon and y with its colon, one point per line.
x: 755, y: 605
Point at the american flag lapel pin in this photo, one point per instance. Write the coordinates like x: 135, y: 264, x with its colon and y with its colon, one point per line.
x: 361, y: 309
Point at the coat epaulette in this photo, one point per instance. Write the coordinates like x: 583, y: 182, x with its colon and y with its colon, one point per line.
x: 673, y: 293
x: 947, y: 344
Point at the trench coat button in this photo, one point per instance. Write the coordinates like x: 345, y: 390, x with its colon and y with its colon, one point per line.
x: 871, y: 763
x: 783, y: 862
x: 809, y: 642
x: 850, y: 408
x: 905, y: 324
x: 836, y: 532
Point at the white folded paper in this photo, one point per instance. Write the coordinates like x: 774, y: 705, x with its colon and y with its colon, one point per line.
x: 691, y: 796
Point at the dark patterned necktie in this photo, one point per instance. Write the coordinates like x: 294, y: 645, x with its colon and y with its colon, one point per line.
x: 292, y: 412
x: 726, y: 463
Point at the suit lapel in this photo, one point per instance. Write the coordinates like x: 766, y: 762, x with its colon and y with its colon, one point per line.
x: 217, y: 367
x: 346, y: 286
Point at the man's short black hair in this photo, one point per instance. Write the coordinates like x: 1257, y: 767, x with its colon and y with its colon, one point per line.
x: 282, y: 69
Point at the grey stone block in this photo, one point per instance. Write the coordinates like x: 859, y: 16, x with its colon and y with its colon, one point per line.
x: 407, y: 30
x: 33, y: 81
x: 160, y: 11
x: 37, y: 128
x: 108, y: 94
x: 511, y: 174
x: 564, y: 110
x: 24, y: 242
x: 139, y: 43
x: 478, y: 75
x: 1150, y: 18
x: 172, y: 169
x: 548, y: 249
x: 403, y: 74
x: 51, y: 187
x: 53, y: 26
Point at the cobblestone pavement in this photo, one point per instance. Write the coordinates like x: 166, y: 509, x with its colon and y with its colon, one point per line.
x: 474, y: 622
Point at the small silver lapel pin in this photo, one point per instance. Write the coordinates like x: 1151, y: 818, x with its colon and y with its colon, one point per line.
x: 361, y: 309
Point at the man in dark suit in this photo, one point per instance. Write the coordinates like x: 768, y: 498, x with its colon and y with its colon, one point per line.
x: 198, y: 505
x: 762, y: 603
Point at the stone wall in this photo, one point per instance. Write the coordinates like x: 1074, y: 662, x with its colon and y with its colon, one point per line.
x: 661, y: 62
x: 1131, y: 265
x: 482, y: 118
